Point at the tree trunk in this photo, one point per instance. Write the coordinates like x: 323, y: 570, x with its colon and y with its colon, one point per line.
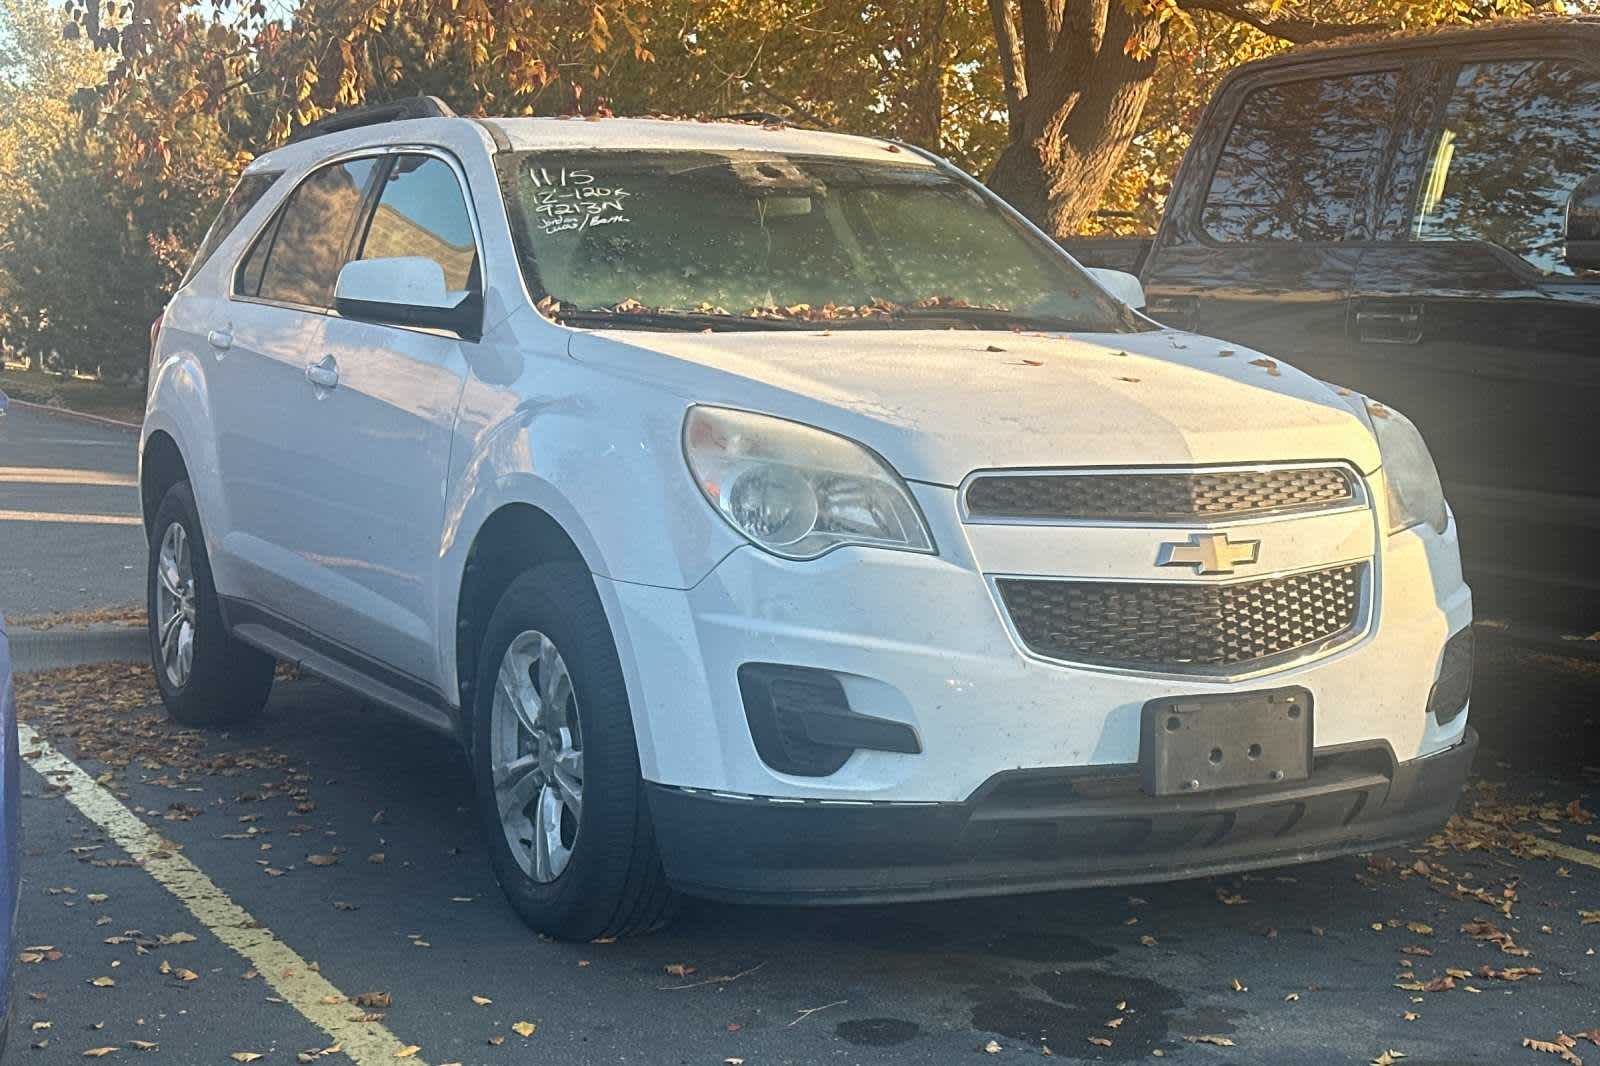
x: 1078, y: 113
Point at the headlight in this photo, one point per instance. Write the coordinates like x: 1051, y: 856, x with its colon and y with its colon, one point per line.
x: 797, y: 491
x: 1409, y: 477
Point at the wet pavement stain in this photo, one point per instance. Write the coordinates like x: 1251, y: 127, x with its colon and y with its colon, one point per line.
x: 1077, y: 1004
x: 877, y: 1032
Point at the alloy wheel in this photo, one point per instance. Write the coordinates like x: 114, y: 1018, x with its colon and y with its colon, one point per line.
x: 175, y: 605
x: 536, y: 756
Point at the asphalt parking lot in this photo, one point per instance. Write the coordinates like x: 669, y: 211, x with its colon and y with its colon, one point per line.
x: 316, y: 883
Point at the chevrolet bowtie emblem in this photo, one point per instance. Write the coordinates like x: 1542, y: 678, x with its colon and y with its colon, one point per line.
x: 1210, y: 553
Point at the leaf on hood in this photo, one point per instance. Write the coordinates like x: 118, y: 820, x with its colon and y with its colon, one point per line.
x: 1269, y: 365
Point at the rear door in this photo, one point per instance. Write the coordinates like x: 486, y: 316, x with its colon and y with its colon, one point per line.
x: 1262, y: 240
x: 1466, y: 315
x: 273, y: 426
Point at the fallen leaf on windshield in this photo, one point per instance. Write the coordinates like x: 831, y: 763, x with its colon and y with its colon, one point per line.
x: 523, y: 1029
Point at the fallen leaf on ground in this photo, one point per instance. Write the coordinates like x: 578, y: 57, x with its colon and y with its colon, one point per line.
x: 408, y: 1051
x: 524, y: 1029
x: 1550, y: 1047
x: 102, y: 982
x: 373, y: 1000
x: 1210, y: 1038
x: 992, y: 1047
x: 1099, y: 1041
x: 322, y: 860
x: 245, y: 1056
x: 1388, y: 1058
x: 482, y: 1001
x: 99, y: 1052
x: 678, y: 969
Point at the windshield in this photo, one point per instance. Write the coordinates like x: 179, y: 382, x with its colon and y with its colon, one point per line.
x: 742, y: 240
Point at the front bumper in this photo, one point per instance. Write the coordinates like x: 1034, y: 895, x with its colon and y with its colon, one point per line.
x: 1045, y: 830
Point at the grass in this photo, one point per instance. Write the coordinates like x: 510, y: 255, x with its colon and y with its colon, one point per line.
x: 77, y: 394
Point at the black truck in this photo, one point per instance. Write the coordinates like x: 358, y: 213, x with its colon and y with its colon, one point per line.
x: 1418, y: 218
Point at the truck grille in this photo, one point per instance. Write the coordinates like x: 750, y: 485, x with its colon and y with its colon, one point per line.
x: 1184, y: 627
x: 1159, y: 497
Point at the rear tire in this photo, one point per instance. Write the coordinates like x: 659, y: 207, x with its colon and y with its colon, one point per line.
x: 206, y: 677
x: 560, y: 799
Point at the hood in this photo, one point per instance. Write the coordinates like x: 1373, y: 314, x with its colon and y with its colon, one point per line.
x: 938, y: 404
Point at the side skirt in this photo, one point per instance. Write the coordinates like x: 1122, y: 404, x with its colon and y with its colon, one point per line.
x: 349, y: 669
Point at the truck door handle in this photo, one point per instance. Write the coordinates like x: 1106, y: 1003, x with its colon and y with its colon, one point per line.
x: 220, y: 339
x: 324, y: 374
x: 1390, y: 324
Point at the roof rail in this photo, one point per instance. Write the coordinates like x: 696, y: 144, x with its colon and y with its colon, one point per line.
x: 766, y: 118
x: 372, y: 114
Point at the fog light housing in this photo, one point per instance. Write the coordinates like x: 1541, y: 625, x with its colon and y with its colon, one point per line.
x: 802, y: 723
x: 1453, y: 687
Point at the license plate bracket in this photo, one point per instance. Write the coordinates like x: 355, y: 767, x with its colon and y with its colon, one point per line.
x: 1200, y: 743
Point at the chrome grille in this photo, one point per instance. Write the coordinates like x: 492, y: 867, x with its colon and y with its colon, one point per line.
x: 1186, y: 627
x: 1180, y: 496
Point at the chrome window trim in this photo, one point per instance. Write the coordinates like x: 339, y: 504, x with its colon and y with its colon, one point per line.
x: 1358, y: 632
x: 364, y: 152
x: 1360, y: 498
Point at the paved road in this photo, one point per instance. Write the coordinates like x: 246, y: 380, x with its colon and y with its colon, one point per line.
x: 69, y: 532
x: 324, y: 776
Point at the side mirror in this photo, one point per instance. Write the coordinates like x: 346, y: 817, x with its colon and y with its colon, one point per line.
x: 1122, y: 285
x: 1583, y: 225
x: 406, y: 290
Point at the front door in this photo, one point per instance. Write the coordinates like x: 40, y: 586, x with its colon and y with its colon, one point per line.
x: 1470, y: 320
x: 382, y: 491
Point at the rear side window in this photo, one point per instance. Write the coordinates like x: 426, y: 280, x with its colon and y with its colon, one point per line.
x: 1300, y: 161
x: 246, y: 194
x: 1517, y: 138
x: 297, y: 258
x: 422, y: 212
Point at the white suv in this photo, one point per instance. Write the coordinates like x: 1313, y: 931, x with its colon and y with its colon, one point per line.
x: 776, y: 515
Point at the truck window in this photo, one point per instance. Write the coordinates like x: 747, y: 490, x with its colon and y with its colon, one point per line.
x: 1517, y: 138
x: 1299, y: 162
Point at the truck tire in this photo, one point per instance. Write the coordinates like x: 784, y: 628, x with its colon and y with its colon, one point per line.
x: 559, y: 796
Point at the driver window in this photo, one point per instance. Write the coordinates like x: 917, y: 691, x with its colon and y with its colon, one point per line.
x: 1518, y: 136
x: 421, y: 212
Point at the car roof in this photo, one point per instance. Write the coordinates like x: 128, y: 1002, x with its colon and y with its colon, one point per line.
x: 588, y: 134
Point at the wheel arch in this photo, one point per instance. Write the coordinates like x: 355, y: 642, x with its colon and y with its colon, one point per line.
x: 161, y: 466
x: 513, y: 538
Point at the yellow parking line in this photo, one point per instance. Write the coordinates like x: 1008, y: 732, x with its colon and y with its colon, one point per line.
x: 74, y: 519
x: 1566, y: 852
x: 323, y: 1005
x: 60, y: 475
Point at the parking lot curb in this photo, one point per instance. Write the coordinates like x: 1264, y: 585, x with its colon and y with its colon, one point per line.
x: 33, y: 650
x: 82, y: 416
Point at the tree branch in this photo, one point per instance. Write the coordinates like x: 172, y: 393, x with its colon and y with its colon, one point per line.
x: 1288, y: 28
x: 1011, y: 69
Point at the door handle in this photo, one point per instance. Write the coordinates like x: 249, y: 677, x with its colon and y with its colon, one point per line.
x: 1390, y: 324
x: 220, y: 339
x: 324, y: 374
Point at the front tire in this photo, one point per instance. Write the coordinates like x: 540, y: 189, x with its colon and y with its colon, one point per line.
x: 206, y: 677
x: 559, y: 795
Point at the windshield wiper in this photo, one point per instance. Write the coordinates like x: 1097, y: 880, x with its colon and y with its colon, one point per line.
x: 666, y: 318
x: 996, y: 317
